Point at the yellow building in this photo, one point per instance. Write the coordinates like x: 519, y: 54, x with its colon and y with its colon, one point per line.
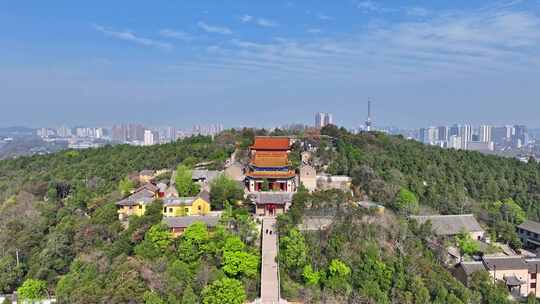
x: 133, y: 205
x: 187, y: 206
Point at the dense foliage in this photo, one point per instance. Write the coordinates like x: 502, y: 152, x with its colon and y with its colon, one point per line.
x: 365, y: 257
x: 59, y: 225
x: 399, y: 172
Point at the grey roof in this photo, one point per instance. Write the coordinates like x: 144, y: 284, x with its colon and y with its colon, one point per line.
x: 143, y: 193
x: 514, y: 281
x: 175, y: 201
x: 162, y: 187
x: 186, y: 221
x: 132, y: 201
x: 531, y: 226
x: 278, y: 198
x: 504, y: 263
x: 147, y: 186
x: 450, y: 224
x: 533, y: 265
x: 471, y: 267
x: 207, y: 175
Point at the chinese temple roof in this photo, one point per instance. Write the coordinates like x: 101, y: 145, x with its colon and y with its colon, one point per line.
x: 271, y: 174
x: 264, y: 159
x: 271, y: 143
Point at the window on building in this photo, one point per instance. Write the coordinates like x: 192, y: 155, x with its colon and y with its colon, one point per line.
x: 186, y: 210
x: 533, y: 276
x: 200, y: 208
x: 140, y: 206
x: 165, y: 209
x: 533, y: 285
x: 170, y: 210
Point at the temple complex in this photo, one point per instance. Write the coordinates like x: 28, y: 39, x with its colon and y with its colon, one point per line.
x: 269, y: 168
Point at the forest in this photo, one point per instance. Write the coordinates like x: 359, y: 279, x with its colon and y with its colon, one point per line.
x: 60, y: 234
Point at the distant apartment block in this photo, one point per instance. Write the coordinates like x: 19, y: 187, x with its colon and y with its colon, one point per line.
x: 323, y: 119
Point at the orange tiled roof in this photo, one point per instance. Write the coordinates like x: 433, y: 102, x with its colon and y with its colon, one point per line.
x: 271, y: 174
x: 271, y: 143
x: 270, y: 159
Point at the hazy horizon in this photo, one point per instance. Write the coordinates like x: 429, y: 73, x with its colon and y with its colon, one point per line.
x: 269, y: 64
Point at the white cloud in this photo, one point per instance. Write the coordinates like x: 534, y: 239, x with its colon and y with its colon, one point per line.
x: 324, y: 17
x: 246, y: 18
x: 372, y: 6
x: 266, y: 22
x: 180, y: 35
x: 131, y: 37
x: 418, y: 11
x: 214, y: 29
x: 451, y: 43
x: 263, y: 22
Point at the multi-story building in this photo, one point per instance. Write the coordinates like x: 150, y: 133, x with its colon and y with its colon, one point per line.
x: 443, y: 133
x: 119, y: 133
x: 465, y: 132
x: 484, y: 133
x: 429, y: 135
x: 521, y: 137
x: 323, y: 119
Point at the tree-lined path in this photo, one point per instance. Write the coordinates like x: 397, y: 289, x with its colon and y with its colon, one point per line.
x: 269, y: 272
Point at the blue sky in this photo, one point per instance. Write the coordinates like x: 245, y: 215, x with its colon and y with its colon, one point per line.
x: 265, y: 63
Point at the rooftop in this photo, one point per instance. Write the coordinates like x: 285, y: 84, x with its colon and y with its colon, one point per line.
x: 186, y: 221
x: 531, y: 226
x: 278, y: 198
x: 505, y: 263
x: 271, y: 143
x: 270, y: 159
x: 471, y: 267
x: 450, y: 224
x: 271, y: 174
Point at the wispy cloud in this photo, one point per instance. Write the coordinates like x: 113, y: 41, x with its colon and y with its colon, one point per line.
x: 324, y: 17
x: 372, y: 6
x: 246, y: 18
x: 180, y: 35
x: 214, y: 29
x: 266, y: 22
x: 417, y: 11
x: 453, y: 43
x: 263, y: 22
x: 131, y: 37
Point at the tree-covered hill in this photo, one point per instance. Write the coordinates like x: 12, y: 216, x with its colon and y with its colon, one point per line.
x: 448, y: 180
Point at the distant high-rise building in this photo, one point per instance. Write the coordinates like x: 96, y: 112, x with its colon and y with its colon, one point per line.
x: 323, y: 119
x: 521, y: 137
x: 484, y: 133
x: 502, y: 135
x: 136, y: 132
x: 454, y: 130
x: 150, y: 138
x: 454, y: 142
x: 99, y: 133
x: 63, y: 131
x: 442, y: 133
x: 465, y: 132
x: 429, y: 135
x: 119, y: 133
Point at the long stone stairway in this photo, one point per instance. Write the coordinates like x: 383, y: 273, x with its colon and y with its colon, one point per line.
x: 270, y: 289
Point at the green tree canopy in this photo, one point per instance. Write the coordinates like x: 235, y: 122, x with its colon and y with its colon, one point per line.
x: 224, y: 291
x: 184, y: 182
x: 32, y: 290
x: 406, y: 202
x: 224, y: 189
x: 239, y: 263
x: 293, y: 250
x: 125, y: 186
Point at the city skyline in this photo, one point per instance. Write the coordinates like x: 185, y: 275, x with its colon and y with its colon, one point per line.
x: 422, y: 63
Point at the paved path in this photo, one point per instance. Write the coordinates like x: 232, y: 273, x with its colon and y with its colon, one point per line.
x: 269, y: 272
